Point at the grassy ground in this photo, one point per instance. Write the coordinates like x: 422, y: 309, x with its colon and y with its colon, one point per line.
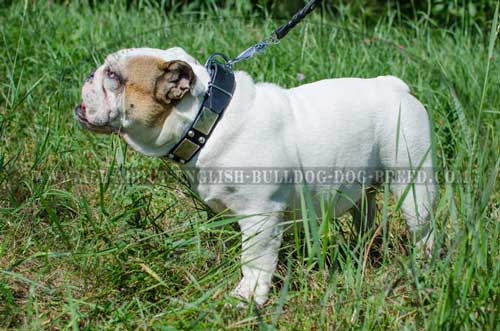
x: 82, y: 246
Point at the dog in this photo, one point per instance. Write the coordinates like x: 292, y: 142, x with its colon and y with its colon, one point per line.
x: 150, y: 97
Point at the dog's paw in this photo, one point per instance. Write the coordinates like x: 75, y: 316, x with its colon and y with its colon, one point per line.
x: 247, y: 292
x: 236, y: 303
x: 241, y: 306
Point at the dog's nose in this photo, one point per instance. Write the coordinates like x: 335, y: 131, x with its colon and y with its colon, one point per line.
x: 90, y: 77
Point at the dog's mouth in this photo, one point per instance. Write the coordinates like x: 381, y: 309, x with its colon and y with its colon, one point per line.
x: 81, y: 117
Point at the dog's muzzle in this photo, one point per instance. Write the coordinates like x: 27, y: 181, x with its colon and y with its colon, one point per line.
x: 81, y: 117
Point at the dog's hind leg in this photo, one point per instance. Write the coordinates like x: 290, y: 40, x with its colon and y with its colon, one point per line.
x: 416, y: 203
x: 408, y: 155
x: 415, y: 190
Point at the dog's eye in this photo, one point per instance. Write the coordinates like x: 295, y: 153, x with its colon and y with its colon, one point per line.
x: 111, y: 74
x: 90, y: 76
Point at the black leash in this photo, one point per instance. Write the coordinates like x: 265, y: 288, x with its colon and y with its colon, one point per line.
x: 278, y: 34
x: 221, y: 88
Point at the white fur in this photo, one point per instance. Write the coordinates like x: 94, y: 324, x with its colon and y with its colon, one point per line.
x: 348, y: 122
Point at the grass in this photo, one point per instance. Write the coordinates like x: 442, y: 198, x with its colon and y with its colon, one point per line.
x: 95, y: 236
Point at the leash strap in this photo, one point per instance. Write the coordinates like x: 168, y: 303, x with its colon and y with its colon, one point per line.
x: 278, y: 34
x: 283, y: 30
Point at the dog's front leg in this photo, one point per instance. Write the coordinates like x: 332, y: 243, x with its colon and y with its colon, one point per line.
x: 261, y: 237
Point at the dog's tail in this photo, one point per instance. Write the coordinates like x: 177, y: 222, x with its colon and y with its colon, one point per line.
x: 397, y: 83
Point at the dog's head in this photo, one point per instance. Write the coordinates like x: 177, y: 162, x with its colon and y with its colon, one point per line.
x: 146, y: 95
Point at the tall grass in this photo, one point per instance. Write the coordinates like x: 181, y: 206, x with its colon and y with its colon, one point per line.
x: 85, y: 246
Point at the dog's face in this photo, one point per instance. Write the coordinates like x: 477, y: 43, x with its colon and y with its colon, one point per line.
x: 136, y: 91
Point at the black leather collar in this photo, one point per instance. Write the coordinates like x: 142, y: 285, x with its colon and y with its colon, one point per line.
x: 219, y: 95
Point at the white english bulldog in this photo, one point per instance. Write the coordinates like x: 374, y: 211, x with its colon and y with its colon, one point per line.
x: 151, y: 97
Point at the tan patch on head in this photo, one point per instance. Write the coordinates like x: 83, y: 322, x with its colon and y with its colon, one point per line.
x: 153, y: 87
x: 141, y: 74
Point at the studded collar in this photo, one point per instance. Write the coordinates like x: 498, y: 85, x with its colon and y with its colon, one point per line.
x: 219, y: 94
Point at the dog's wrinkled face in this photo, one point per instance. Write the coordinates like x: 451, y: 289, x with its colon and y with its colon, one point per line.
x: 135, y: 91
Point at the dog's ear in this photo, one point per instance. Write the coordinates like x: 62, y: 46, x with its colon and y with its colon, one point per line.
x: 177, y: 79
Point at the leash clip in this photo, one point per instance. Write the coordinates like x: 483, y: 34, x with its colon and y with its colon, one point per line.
x: 212, y: 59
x: 260, y: 47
